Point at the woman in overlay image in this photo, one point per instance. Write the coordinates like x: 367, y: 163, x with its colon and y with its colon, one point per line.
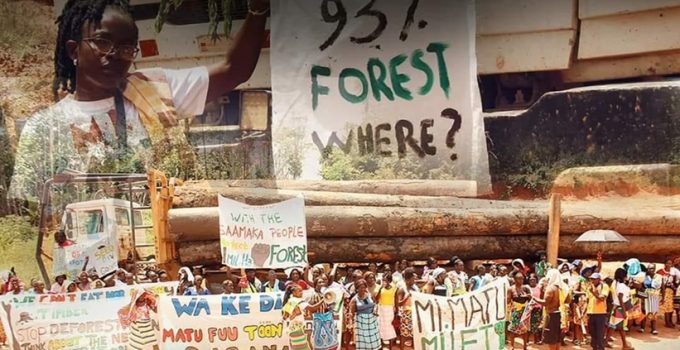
x: 116, y: 121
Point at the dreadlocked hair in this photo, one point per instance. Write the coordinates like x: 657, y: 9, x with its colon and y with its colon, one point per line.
x: 75, y: 14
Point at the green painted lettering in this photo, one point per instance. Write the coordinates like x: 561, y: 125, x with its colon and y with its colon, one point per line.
x: 378, y: 83
x: 316, y: 88
x: 462, y: 337
x: 438, y: 49
x: 486, y: 335
x: 348, y: 96
x: 424, y: 342
x: 399, y: 79
x: 418, y: 63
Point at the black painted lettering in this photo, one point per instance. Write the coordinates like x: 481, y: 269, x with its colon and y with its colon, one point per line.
x: 421, y: 311
x: 379, y: 140
x: 333, y: 140
x: 404, y: 131
x: 365, y: 139
x: 426, y: 138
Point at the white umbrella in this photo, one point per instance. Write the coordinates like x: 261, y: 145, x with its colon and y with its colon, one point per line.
x: 601, y: 236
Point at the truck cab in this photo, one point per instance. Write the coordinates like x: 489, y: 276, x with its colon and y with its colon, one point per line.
x: 110, y: 219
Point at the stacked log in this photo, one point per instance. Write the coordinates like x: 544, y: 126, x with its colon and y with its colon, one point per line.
x: 360, y: 227
x: 383, y: 249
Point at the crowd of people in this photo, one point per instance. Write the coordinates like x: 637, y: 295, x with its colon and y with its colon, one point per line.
x: 571, y: 302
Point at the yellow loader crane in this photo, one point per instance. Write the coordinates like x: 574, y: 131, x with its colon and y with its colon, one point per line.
x: 128, y: 209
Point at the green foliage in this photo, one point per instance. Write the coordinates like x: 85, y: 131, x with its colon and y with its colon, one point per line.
x: 288, y: 160
x: 339, y: 165
x: 21, y: 256
x: 215, y: 9
x: 15, y: 228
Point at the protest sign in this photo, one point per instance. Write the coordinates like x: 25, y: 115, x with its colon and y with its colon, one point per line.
x: 387, y: 88
x: 69, y: 260
x: 235, y: 321
x: 472, y: 321
x: 270, y: 236
x: 84, y: 320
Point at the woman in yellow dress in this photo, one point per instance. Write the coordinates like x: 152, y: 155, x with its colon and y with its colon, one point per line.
x: 667, y: 293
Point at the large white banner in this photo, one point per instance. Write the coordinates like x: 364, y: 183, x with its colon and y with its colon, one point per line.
x: 236, y: 321
x: 472, y: 321
x: 97, y: 319
x: 376, y: 89
x: 267, y: 236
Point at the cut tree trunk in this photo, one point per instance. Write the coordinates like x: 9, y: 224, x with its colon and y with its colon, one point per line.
x: 328, y: 250
x: 199, y: 224
x: 204, y: 194
x: 436, y: 188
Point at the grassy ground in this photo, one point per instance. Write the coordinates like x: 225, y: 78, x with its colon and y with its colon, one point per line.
x: 21, y: 255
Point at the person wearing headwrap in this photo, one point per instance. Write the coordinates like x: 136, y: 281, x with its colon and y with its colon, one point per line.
x: 556, y: 298
x: 518, y: 265
x: 186, y: 280
x: 71, y: 287
x: 436, y: 283
x: 633, y: 267
x: 137, y: 315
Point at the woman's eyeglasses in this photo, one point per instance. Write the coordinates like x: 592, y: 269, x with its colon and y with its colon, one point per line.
x: 106, y: 47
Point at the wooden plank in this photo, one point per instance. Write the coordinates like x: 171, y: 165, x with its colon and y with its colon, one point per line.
x: 631, y: 34
x: 622, y: 67
x: 554, y: 218
x: 525, y: 52
x: 521, y: 16
x: 598, y: 8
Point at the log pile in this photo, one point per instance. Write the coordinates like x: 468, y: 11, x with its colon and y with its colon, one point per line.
x: 362, y: 227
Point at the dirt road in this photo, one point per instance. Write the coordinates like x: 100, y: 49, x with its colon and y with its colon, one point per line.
x: 668, y: 339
